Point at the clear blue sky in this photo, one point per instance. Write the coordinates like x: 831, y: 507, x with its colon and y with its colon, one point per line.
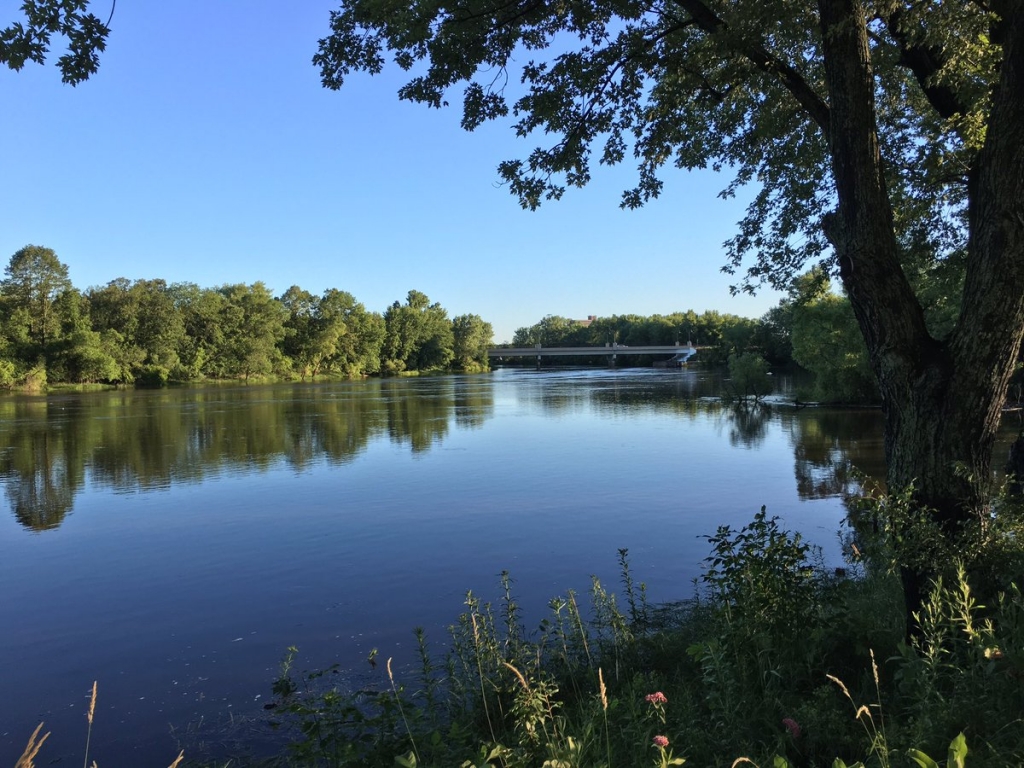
x: 206, y: 150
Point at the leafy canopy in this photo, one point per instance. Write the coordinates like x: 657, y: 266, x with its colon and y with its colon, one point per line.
x: 737, y: 85
x: 85, y: 34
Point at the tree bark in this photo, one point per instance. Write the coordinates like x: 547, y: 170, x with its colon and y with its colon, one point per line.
x: 942, y: 399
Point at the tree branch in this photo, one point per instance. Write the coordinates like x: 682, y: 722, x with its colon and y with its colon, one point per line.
x: 764, y: 60
x: 924, y: 61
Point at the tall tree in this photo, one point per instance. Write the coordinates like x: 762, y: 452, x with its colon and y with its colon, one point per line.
x: 472, y: 337
x: 82, y: 354
x: 35, y: 279
x: 146, y: 317
x: 877, y: 133
x: 418, y: 335
x: 360, y: 334
x: 201, y: 343
x: 252, y: 321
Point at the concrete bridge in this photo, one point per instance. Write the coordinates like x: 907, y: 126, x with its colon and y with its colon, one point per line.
x: 679, y: 353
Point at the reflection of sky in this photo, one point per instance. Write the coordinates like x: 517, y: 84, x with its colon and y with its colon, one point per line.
x: 182, y: 600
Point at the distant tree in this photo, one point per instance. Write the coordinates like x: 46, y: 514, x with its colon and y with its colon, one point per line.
x: 35, y: 279
x: 748, y: 372
x: 252, y: 321
x: 827, y: 342
x: 331, y: 333
x: 773, y: 334
x: 146, y: 317
x: 360, y: 337
x: 203, y: 338
x: 79, y: 355
x: 418, y: 336
x: 303, y: 343
x: 551, y: 331
x: 472, y: 338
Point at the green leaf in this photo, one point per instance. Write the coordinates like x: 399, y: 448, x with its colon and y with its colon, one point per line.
x: 406, y: 761
x: 922, y: 759
x: 957, y: 757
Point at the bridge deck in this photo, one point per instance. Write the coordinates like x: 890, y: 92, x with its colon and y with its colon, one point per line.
x: 582, y: 351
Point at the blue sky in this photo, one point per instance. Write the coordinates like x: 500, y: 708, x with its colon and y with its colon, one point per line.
x: 205, y: 150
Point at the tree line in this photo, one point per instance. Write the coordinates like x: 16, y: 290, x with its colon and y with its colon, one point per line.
x: 813, y: 327
x: 152, y: 332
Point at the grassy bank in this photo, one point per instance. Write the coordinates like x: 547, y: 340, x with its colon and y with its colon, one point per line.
x: 774, y: 661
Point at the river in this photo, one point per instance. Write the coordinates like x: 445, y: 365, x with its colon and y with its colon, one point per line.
x: 172, y: 544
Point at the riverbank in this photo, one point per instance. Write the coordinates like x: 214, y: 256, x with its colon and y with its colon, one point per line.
x: 775, y: 660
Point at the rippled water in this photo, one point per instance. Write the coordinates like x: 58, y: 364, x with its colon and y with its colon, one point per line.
x: 172, y: 544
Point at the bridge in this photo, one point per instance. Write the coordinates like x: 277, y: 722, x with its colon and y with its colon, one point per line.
x: 679, y: 352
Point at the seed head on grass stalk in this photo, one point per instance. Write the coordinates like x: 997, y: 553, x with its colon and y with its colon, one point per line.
x: 32, y: 749
x: 88, y: 734
x: 401, y: 711
x: 604, y: 706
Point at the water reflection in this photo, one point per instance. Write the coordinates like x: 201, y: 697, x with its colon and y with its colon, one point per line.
x: 748, y: 424
x: 139, y: 441
x: 42, y: 464
x: 834, y: 450
x: 142, y: 441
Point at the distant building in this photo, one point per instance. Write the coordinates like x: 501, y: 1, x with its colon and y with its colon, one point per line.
x: 586, y: 323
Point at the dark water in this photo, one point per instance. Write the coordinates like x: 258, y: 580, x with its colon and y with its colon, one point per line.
x: 173, y: 544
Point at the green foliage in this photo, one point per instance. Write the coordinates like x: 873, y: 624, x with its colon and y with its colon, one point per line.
x: 85, y: 34
x: 35, y: 279
x: 471, y: 339
x: 827, y: 342
x: 749, y: 375
x: 605, y: 687
x: 333, y: 333
x: 8, y: 375
x: 418, y: 336
x: 701, y: 85
x: 148, y: 332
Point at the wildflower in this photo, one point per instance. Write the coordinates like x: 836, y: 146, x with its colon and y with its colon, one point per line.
x: 656, y: 698
x: 660, y: 741
x: 792, y: 726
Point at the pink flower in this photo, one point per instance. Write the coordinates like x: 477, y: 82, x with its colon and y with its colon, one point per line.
x: 792, y: 726
x: 660, y: 741
x: 656, y: 698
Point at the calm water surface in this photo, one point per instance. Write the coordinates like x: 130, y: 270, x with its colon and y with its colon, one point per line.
x: 173, y: 544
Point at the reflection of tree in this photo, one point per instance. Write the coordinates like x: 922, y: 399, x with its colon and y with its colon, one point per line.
x: 149, y: 439
x: 40, y: 465
x: 418, y: 414
x: 474, y: 402
x: 748, y: 423
x: 678, y: 392
x: 834, y: 449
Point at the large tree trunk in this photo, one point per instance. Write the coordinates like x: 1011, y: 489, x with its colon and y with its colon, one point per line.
x: 942, y: 398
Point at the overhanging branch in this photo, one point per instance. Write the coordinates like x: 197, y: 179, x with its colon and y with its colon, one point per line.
x: 764, y: 60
